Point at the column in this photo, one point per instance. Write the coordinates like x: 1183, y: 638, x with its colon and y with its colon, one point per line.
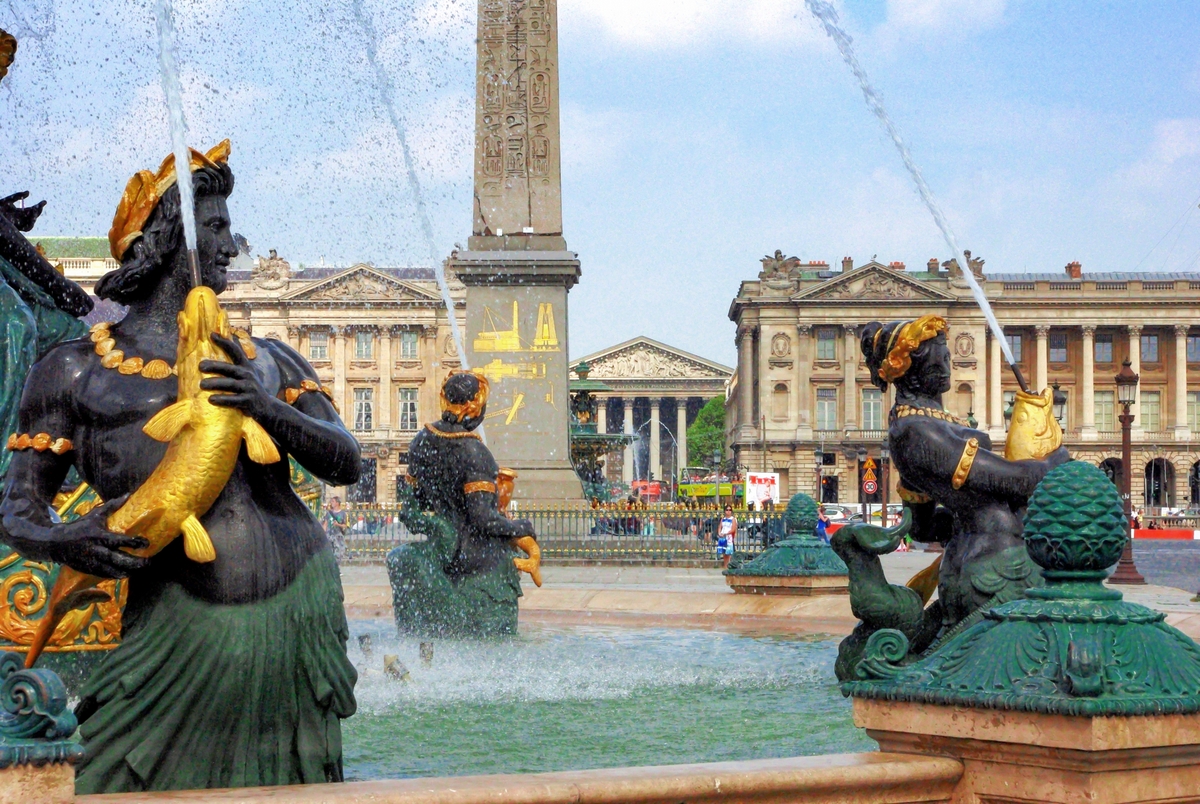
x: 850, y: 366
x: 1179, y: 378
x: 765, y: 386
x: 602, y: 415
x: 339, y: 373
x: 627, y: 467
x: 293, y: 339
x: 385, y: 380
x: 995, y: 401
x: 681, y: 456
x: 1135, y: 363
x: 745, y: 380
x: 655, y: 439
x: 1041, y: 377
x: 801, y: 386
x: 1088, y: 397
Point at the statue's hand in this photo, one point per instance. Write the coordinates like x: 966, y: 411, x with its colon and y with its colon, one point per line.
x: 237, y: 383
x: 89, y: 546
x: 525, y: 525
x: 22, y: 218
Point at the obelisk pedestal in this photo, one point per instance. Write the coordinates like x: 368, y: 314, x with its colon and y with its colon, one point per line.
x: 517, y: 268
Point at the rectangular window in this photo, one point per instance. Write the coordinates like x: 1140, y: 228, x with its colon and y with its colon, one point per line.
x: 363, y: 343
x: 364, y: 409
x: 1014, y: 344
x: 1151, y: 411
x: 1058, y: 347
x: 826, y: 343
x: 1009, y: 397
x: 408, y: 409
x: 1149, y: 348
x: 1193, y: 411
x: 408, y: 344
x: 827, y: 418
x: 1193, y: 348
x: 318, y: 346
x: 1106, y: 420
x: 872, y: 409
x: 1104, y: 352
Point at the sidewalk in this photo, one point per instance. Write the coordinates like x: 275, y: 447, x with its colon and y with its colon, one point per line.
x: 700, y: 598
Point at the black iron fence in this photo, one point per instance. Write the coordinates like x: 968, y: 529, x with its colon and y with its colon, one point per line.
x: 652, y: 534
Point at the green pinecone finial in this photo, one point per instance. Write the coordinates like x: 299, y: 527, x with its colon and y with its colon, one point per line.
x: 801, y: 515
x: 1075, y: 521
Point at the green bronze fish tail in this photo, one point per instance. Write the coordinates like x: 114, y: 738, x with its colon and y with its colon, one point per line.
x: 874, y: 539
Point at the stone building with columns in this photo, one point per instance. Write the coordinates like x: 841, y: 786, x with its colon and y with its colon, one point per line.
x: 378, y: 338
x: 657, y: 390
x: 802, y: 402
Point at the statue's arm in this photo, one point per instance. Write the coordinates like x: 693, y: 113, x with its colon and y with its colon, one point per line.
x: 479, y: 485
x: 309, y: 428
x: 35, y: 476
x: 938, y: 451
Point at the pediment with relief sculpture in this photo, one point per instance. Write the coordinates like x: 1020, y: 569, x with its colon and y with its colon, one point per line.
x: 362, y: 283
x: 874, y: 283
x: 643, y: 358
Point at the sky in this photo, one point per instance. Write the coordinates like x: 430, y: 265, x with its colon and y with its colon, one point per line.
x: 698, y: 135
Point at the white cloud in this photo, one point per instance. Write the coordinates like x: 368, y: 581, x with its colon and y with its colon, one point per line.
x: 1174, y: 141
x: 675, y: 23
x: 942, y: 14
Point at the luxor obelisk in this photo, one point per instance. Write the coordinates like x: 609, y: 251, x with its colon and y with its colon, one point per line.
x: 517, y: 268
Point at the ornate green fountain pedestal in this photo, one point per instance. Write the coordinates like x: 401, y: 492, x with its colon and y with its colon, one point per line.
x: 37, y: 758
x: 1067, y: 695
x: 801, y: 564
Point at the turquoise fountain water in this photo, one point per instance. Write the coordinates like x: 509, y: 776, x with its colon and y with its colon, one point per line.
x: 560, y: 698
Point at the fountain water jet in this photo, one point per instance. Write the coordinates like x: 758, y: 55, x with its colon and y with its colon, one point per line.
x: 386, y: 96
x: 826, y: 13
x: 169, y: 70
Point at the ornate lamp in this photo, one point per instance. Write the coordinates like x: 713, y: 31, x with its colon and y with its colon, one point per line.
x: 1060, y: 403
x: 1127, y: 385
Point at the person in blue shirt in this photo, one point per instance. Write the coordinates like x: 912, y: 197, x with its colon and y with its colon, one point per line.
x: 822, y: 524
x: 725, y: 535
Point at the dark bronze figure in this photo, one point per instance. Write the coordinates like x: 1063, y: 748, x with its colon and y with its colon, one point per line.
x: 955, y: 490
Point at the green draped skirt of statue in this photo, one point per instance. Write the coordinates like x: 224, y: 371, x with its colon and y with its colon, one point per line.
x: 201, y: 695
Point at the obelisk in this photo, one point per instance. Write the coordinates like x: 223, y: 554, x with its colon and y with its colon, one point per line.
x: 517, y: 268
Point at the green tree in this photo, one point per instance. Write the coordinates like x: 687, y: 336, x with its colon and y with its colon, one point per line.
x: 707, y: 433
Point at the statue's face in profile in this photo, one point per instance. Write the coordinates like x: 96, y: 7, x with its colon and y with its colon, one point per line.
x: 930, y: 371
x: 214, y: 241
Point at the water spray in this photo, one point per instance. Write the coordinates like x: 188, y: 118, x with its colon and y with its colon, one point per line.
x: 389, y: 103
x: 825, y: 12
x: 168, y: 65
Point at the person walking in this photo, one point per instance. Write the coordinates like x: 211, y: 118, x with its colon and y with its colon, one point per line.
x: 726, y: 532
x: 336, y: 527
x: 822, y: 524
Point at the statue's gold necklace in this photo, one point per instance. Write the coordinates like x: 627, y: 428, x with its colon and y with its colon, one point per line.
x: 904, y: 411
x: 113, y: 358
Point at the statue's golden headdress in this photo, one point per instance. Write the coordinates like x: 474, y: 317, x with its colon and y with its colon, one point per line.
x: 471, y: 408
x: 903, y: 341
x: 8, y: 51
x: 146, y: 189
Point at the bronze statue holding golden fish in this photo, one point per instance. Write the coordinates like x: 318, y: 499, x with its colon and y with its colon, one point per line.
x: 254, y: 637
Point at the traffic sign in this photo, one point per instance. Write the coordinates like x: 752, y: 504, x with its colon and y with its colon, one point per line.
x: 869, y: 464
x: 870, y: 487
x: 869, y: 474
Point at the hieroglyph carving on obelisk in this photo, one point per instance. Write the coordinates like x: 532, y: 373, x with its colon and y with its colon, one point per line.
x: 517, y: 173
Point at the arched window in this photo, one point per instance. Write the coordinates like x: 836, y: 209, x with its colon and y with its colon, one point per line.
x: 1160, y: 484
x: 1112, y: 468
x: 1194, y: 484
x: 779, y: 401
x: 965, y: 399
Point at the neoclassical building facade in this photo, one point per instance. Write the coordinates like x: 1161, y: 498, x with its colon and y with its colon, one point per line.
x: 378, y: 338
x: 657, y: 390
x: 802, y: 402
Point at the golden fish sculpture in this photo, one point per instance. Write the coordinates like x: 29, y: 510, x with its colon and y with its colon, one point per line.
x: 204, y: 441
x: 506, y: 481
x: 1034, y: 432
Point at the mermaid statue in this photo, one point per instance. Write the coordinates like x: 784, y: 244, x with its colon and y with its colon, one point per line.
x: 463, y: 580
x: 955, y: 490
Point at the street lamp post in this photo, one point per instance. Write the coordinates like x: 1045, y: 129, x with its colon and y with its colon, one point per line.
x: 1127, y: 383
x: 818, y: 462
x: 862, y: 458
x: 885, y: 460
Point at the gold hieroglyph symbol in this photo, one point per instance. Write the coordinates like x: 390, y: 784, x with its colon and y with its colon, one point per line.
x: 546, y: 339
x: 496, y: 339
